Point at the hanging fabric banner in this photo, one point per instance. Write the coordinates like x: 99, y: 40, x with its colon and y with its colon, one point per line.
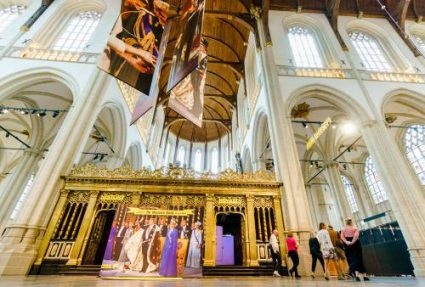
x: 133, y: 54
x: 188, y: 43
x: 187, y: 98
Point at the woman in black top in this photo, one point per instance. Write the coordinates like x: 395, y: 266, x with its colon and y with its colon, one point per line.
x: 316, y: 254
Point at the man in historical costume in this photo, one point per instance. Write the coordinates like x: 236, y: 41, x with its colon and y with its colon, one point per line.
x: 195, y: 247
x: 118, y: 242
x: 134, y: 43
x: 150, y: 247
x: 126, y: 237
x: 184, y: 231
x: 109, y: 251
x: 169, y: 254
x: 162, y: 225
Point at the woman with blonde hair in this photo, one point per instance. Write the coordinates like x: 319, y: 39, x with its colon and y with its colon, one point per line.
x: 328, y: 251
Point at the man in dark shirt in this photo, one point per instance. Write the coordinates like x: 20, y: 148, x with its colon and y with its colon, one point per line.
x: 316, y: 254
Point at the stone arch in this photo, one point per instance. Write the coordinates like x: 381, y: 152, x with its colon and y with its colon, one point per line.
x: 338, y: 98
x: 260, y: 140
x: 133, y: 156
x: 246, y: 160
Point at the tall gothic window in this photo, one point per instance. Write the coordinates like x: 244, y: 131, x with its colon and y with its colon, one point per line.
x: 77, y: 32
x: 349, y: 193
x: 374, y: 182
x: 420, y: 42
x: 214, y: 160
x: 198, y: 160
x: 371, y: 52
x: 414, y: 141
x: 304, y: 48
x: 9, y: 14
x: 167, y: 154
x: 181, y: 155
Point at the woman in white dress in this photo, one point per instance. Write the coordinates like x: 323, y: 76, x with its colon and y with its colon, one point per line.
x: 194, y: 255
x: 328, y: 250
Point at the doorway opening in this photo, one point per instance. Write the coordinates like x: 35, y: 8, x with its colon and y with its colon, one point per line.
x: 99, y: 238
x: 229, y: 248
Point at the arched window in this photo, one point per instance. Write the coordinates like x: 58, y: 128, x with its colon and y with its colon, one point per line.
x: 214, y: 160
x: 77, y: 32
x: 198, y: 160
x: 370, y: 51
x: 414, y: 141
x: 167, y: 154
x: 304, y: 48
x: 181, y: 155
x: 374, y: 182
x: 420, y: 42
x: 22, y: 198
x: 349, y: 193
x: 9, y: 14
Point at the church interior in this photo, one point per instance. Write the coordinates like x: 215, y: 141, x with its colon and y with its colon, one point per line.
x: 286, y: 114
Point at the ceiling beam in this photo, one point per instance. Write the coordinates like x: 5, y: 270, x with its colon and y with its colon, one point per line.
x: 332, y: 13
x: 230, y: 99
x: 225, y: 123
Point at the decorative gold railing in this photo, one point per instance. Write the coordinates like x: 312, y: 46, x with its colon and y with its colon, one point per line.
x: 292, y: 71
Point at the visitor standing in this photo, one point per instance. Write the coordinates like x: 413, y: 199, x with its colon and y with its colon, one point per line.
x: 275, y: 253
x: 353, y: 250
x: 316, y: 254
x: 328, y: 251
x: 292, y: 246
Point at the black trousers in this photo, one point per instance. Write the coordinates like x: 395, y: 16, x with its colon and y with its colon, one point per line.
x: 316, y: 257
x: 277, y: 260
x: 295, y: 261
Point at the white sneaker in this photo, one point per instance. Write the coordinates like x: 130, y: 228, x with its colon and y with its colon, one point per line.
x: 276, y: 274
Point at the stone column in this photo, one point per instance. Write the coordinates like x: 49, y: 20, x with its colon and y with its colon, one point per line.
x: 404, y: 193
x: 337, y: 186
x: 210, y: 232
x: 114, y: 161
x: 19, y: 242
x: 280, y: 228
x: 252, y: 241
x: 88, y: 216
x: 285, y: 153
x: 15, y: 185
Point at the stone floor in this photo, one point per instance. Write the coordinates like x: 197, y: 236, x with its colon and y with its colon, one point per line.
x: 82, y: 281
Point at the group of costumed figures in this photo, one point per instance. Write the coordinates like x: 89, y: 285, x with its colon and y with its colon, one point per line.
x: 151, y: 245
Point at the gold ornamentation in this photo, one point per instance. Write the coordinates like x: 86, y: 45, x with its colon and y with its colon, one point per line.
x: 230, y: 201
x: 115, y: 198
x: 175, y: 173
x: 255, y: 12
x: 263, y: 202
x: 79, y: 197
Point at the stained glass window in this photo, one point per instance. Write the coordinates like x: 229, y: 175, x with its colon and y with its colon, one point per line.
x: 414, y: 141
x: 9, y: 14
x: 370, y: 51
x: 374, y: 182
x: 77, y: 32
x: 349, y: 193
x: 304, y: 48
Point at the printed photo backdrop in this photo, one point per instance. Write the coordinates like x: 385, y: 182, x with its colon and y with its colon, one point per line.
x: 149, y: 242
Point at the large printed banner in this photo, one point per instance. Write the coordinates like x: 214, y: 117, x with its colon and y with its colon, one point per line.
x: 146, y: 242
x: 188, y: 43
x: 133, y: 52
x: 187, y: 98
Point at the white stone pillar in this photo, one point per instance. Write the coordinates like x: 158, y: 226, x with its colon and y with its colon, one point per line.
x: 297, y: 217
x: 334, y: 178
x: 19, y: 242
x: 114, y: 161
x: 404, y: 193
x: 13, y: 188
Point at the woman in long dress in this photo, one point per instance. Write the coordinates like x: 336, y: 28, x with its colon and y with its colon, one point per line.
x: 353, y: 250
x: 109, y: 251
x: 169, y: 253
x: 194, y: 255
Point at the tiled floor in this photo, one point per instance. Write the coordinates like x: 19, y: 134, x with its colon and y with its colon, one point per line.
x: 82, y: 281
